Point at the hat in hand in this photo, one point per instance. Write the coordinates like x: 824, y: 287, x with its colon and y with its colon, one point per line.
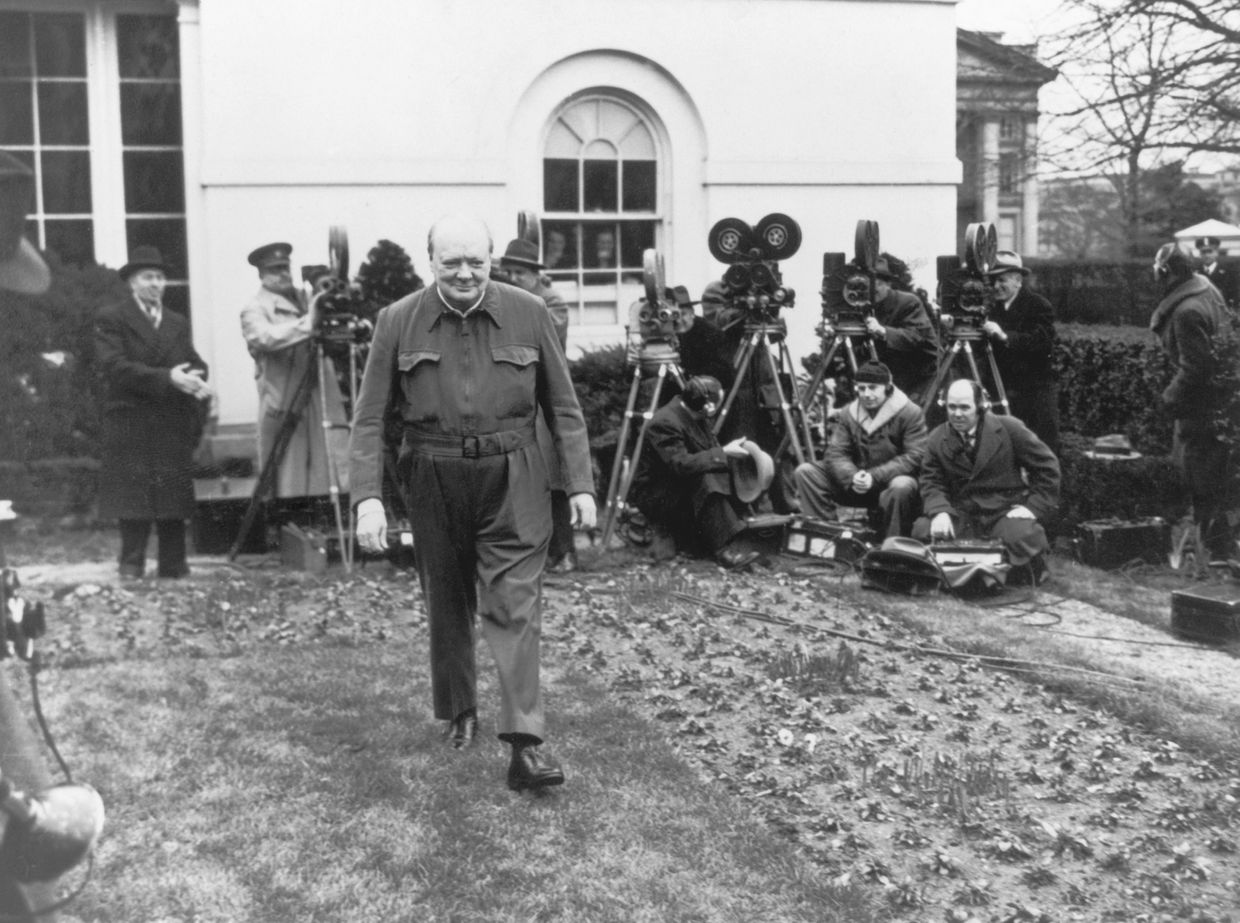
x: 873, y: 373
x: 1115, y: 447
x: 1008, y: 261
x: 521, y: 252
x: 21, y: 267
x: 752, y: 474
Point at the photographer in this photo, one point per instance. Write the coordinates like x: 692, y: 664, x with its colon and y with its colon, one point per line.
x: 903, y: 336
x: 876, y: 448
x: 279, y: 333
x: 1021, y: 330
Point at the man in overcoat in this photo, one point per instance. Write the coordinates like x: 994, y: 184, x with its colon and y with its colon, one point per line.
x: 1021, y: 331
x: 986, y: 475
x: 1190, y: 322
x: 875, y: 450
x: 155, y: 397
x: 684, y: 482
x: 279, y: 333
x: 466, y: 364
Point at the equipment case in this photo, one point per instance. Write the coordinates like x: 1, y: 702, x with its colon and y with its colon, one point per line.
x: 833, y: 541
x: 1112, y: 543
x: 1207, y: 612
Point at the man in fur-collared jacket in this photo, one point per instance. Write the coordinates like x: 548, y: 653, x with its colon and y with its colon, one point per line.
x: 876, y: 447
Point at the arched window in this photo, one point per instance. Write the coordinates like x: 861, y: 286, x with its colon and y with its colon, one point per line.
x: 601, y: 207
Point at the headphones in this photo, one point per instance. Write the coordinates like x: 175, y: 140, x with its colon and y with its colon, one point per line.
x: 980, y: 398
x: 700, y: 391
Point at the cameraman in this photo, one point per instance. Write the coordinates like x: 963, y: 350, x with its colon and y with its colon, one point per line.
x: 1021, y: 330
x: 21, y: 270
x: 902, y: 333
x: 279, y: 333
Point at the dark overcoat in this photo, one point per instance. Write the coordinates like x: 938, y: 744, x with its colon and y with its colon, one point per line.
x: 681, y: 465
x: 909, y: 347
x: 1025, y: 362
x: 1186, y: 322
x: 150, y: 428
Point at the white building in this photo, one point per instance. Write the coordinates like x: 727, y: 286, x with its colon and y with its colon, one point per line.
x: 208, y: 127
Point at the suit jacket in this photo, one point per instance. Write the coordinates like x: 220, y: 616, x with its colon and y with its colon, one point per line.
x: 1025, y: 358
x: 990, y: 482
x: 150, y: 428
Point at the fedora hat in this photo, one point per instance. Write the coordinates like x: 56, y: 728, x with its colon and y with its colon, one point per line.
x: 522, y: 252
x: 751, y: 474
x: 21, y: 267
x: 882, y: 270
x: 1008, y: 261
x: 1114, y: 447
x: 143, y: 257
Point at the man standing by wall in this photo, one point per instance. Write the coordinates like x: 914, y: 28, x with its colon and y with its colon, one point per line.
x: 279, y: 333
x: 467, y: 363
x: 1021, y: 330
x: 1189, y: 322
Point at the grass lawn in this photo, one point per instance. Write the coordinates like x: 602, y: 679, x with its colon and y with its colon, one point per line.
x: 310, y: 783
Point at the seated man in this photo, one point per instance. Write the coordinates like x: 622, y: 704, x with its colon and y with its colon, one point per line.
x: 876, y: 447
x: 987, y: 476
x: 683, y: 481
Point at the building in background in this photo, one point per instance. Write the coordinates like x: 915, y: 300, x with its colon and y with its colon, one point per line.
x: 207, y: 127
x: 996, y: 137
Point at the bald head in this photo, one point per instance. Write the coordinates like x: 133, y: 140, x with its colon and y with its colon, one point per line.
x: 962, y: 409
x: 460, y: 250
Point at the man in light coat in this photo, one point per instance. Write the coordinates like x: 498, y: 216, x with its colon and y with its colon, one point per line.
x: 872, y: 459
x: 279, y: 333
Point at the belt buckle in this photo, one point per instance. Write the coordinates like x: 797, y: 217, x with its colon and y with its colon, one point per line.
x: 471, y: 446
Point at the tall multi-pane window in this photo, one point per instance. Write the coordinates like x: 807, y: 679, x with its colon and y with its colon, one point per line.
x: 600, y: 206
x: 107, y: 158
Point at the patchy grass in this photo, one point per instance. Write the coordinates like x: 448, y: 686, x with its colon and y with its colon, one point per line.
x: 310, y: 784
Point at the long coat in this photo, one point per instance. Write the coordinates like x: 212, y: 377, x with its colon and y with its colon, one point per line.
x: 909, y: 347
x: 277, y: 333
x: 150, y: 428
x: 1025, y: 363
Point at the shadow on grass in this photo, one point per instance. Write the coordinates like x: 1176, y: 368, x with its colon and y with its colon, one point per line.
x: 311, y: 784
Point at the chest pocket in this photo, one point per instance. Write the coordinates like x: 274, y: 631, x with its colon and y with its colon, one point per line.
x: 519, y: 356
x: 419, y: 383
x: 515, y: 370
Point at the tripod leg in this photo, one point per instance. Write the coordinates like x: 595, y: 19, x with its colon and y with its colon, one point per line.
x: 610, y: 507
x: 333, y: 469
x: 741, y: 365
x: 973, y: 370
x: 1000, y: 393
x: 786, y: 403
x: 631, y: 469
x: 940, y: 375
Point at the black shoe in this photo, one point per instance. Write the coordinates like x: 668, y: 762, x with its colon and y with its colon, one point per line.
x: 529, y: 771
x: 565, y: 565
x: 463, y: 729
x: 735, y: 558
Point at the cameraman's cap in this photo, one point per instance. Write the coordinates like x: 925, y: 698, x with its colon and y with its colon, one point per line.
x: 21, y: 267
x: 1208, y: 243
x: 522, y: 252
x: 873, y: 373
x: 882, y: 270
x: 1008, y: 261
x: 680, y: 295
x: 269, y: 255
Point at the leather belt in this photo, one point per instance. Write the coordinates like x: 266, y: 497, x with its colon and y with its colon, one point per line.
x: 477, y: 446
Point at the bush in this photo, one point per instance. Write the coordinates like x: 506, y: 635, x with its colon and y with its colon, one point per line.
x: 1092, y: 489
x: 1120, y: 292
x: 603, y: 378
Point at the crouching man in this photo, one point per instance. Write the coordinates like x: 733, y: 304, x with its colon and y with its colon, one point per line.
x: 684, y: 482
x: 987, y: 476
x: 876, y: 447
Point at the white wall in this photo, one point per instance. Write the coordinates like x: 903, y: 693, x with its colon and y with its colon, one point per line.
x: 384, y: 114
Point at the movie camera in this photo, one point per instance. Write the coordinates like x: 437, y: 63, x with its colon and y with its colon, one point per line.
x: 335, y: 302
x: 654, y: 320
x: 752, y: 283
x: 964, y: 290
x: 848, y: 295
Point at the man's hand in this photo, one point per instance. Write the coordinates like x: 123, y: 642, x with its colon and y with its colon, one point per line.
x: 584, y: 512
x: 941, y: 526
x: 736, y: 448
x: 874, y: 327
x: 1020, y: 512
x: 189, y: 381
x: 991, y: 329
x: 371, y: 529
x: 862, y: 481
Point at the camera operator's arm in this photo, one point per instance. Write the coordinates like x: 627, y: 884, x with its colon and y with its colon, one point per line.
x: 267, y: 330
x: 1029, y: 328
x: 908, y: 327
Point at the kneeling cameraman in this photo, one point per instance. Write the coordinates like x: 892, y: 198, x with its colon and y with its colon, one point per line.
x: 684, y: 484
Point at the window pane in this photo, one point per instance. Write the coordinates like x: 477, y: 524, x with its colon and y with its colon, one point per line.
x: 62, y: 113
x: 635, y: 237
x: 600, y: 245
x: 73, y: 240
x: 150, y: 113
x: 66, y: 182
x: 168, y: 234
x: 600, y: 179
x: 639, y: 186
x: 16, y: 113
x: 148, y: 46
x: 559, y: 185
x: 60, y: 44
x: 14, y: 45
x: 154, y: 181
x: 560, y: 249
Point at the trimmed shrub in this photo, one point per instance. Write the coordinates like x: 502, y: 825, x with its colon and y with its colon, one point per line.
x: 1093, y: 489
x: 1118, y: 292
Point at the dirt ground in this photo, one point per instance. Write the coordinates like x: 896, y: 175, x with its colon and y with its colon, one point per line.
x: 847, y: 719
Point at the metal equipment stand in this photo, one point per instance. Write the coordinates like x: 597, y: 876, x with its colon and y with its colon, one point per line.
x: 960, y: 344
